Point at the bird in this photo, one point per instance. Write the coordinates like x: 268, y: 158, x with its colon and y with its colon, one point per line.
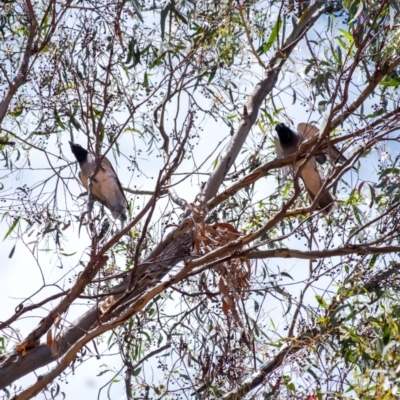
x: 289, y: 142
x: 106, y: 187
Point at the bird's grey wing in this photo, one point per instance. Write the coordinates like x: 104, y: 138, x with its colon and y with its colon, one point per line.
x: 334, y: 155
x: 107, y: 162
x: 309, y: 131
x: 112, y: 191
x: 313, y: 183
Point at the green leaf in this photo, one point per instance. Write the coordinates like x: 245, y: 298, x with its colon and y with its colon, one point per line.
x: 211, y: 76
x: 286, y: 274
x: 164, y: 14
x: 272, y: 37
x: 75, y: 122
x: 200, y: 389
x: 347, y: 35
x: 256, y: 306
x: 215, y: 163
x: 58, y: 120
x: 342, y: 43
x: 103, y: 372
x: 12, y: 252
x: 372, y: 261
x: 136, y: 372
x: 358, y: 12
x: 373, y: 196
x: 321, y: 302
x: 286, y: 189
x: 179, y: 16
x: 12, y: 227
x: 392, y: 82
x: 138, y: 11
x: 291, y: 386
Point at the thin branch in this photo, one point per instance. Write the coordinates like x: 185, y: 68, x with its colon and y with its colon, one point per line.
x: 315, y: 254
x: 248, y: 36
x: 22, y: 72
x: 143, y: 192
x: 23, y: 309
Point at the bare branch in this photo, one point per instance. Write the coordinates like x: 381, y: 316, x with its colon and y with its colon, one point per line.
x: 22, y: 73
x: 143, y: 192
x: 313, y: 255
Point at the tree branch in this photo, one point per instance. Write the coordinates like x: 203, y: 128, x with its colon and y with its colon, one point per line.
x: 313, y: 255
x: 22, y: 73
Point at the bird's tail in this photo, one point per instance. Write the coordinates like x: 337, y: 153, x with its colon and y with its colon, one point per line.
x: 326, y: 202
x: 119, y: 212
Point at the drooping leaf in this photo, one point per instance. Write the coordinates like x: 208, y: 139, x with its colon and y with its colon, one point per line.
x: 12, y: 227
x: 272, y: 37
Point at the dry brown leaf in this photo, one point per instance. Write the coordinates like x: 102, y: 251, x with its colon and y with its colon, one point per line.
x: 49, y: 338
x: 21, y: 349
x: 131, y: 14
x: 225, y: 308
x: 57, y: 321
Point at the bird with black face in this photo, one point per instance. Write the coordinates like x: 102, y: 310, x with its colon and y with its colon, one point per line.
x: 289, y: 142
x: 106, y: 187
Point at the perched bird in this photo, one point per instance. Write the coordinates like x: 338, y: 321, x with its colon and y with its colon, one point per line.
x: 289, y: 142
x: 106, y: 188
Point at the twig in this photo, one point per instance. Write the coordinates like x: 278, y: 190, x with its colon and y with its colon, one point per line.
x: 20, y: 77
